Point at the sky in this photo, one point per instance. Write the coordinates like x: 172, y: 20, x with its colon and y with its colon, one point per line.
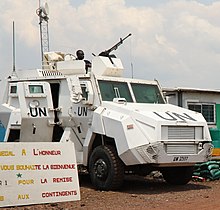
x: 176, y: 42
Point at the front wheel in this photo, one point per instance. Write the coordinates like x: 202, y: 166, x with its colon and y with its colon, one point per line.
x: 177, y: 175
x: 105, y: 168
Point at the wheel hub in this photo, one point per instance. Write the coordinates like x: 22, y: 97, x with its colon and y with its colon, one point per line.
x: 100, y: 168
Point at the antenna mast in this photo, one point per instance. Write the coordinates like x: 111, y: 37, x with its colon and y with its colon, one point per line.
x: 43, y: 12
x: 13, y: 45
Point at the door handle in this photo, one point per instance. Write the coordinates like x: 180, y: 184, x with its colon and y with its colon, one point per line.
x: 34, y: 128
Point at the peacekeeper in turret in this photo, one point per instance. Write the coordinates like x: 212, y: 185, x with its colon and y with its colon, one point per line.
x: 80, y: 56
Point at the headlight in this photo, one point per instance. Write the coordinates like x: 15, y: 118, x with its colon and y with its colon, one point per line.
x: 149, y: 152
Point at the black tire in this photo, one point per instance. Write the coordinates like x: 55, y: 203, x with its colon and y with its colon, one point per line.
x: 177, y: 175
x: 105, y: 168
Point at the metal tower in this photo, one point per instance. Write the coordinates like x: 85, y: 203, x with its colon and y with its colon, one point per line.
x: 43, y: 12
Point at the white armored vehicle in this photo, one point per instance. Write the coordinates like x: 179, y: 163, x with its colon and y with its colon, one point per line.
x: 118, y: 125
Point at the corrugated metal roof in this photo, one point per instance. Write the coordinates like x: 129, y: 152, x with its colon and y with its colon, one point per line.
x: 187, y: 89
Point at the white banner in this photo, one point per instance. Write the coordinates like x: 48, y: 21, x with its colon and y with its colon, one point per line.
x: 33, y: 173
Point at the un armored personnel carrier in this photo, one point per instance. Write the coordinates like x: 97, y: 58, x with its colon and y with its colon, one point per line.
x: 118, y: 125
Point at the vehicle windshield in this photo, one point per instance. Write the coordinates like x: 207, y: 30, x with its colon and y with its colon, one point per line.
x: 112, y: 89
x: 147, y: 93
x: 143, y: 93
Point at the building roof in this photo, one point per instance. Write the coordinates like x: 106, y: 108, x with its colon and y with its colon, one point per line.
x: 186, y: 89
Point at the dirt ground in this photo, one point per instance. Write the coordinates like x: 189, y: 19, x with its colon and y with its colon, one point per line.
x: 142, y: 193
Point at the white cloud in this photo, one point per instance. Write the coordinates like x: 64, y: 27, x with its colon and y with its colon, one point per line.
x: 177, y: 42
x: 23, y: 13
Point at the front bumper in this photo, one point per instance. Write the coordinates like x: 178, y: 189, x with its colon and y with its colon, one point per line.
x: 176, y: 153
x: 171, y: 154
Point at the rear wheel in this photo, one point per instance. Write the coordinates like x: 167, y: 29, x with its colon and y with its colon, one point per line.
x: 105, y: 168
x: 177, y: 175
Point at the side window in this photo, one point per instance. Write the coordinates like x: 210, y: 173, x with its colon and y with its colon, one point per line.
x: 13, y: 89
x: 36, y: 89
x: 207, y: 110
x: 84, y: 91
x: 87, y: 92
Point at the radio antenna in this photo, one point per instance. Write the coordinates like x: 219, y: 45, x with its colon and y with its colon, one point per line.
x: 13, y: 46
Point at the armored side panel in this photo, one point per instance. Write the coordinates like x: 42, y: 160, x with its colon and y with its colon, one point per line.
x: 105, y: 66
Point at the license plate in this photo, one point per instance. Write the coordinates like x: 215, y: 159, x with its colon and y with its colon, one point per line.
x: 180, y: 158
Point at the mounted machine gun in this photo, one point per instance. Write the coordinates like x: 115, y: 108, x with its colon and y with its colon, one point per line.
x: 115, y: 47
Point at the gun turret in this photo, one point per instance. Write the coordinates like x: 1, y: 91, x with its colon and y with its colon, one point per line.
x: 107, y: 52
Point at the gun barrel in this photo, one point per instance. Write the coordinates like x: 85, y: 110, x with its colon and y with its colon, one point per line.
x: 119, y: 43
x: 127, y: 36
x: 107, y: 52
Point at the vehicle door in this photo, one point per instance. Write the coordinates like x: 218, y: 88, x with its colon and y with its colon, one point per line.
x: 37, y: 113
x: 81, y: 112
